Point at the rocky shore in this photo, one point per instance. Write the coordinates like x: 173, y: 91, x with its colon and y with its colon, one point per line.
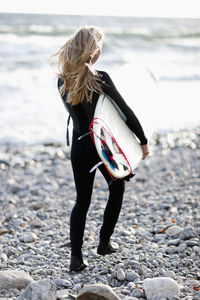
x: 158, y: 233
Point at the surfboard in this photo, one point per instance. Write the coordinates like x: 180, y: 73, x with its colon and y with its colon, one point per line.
x: 139, y: 87
x: 116, y: 144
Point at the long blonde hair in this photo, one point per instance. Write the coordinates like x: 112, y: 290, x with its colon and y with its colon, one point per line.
x: 75, y: 64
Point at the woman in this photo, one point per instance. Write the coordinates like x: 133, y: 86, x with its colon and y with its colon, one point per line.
x: 79, y: 86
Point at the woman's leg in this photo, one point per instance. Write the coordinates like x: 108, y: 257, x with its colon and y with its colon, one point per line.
x: 113, y: 207
x: 84, y: 184
x: 83, y: 158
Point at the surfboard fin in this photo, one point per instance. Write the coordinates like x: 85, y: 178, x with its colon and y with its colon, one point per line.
x: 85, y: 134
x: 96, y: 166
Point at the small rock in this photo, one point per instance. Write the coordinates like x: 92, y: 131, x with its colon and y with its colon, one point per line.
x: 160, y: 288
x: 14, y: 280
x: 14, y: 189
x: 188, y: 233
x: 37, y: 206
x: 171, y: 250
x: 62, y: 283
x: 131, y: 276
x: 138, y: 293
x: 3, y: 258
x: 43, y: 289
x: 97, y: 291
x: 191, y: 243
x: 170, y: 274
x: 37, y: 223
x: 162, y: 272
x: 3, y: 231
x: 196, y: 249
x: 182, y: 247
x: 173, y: 230
x: 62, y: 294
x: 76, y: 287
x: 196, y: 296
x: 29, y: 237
x: 17, y: 222
x: 120, y: 274
x: 175, y: 242
x: 10, y: 251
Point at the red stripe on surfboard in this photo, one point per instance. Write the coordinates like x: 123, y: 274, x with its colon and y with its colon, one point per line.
x: 95, y: 121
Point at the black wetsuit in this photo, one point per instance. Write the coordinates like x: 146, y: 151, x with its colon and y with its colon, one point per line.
x: 84, y: 156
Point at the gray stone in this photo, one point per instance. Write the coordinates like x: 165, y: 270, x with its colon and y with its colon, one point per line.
x: 17, y: 222
x: 196, y: 296
x: 39, y: 290
x: 161, y: 287
x: 76, y: 287
x: 188, y: 233
x: 131, y: 276
x: 120, y: 274
x: 138, y: 293
x: 97, y: 292
x: 37, y: 223
x: 192, y: 243
x: 29, y: 237
x: 170, y: 274
x: 3, y: 258
x: 173, y: 230
x: 130, y: 298
x: 14, y: 280
x: 182, y: 247
x: 196, y: 249
x: 62, y: 294
x: 175, y: 242
x: 171, y: 250
x: 14, y: 189
x: 63, y: 283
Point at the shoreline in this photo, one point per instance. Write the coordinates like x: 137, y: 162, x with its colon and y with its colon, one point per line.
x: 178, y: 135
x: 158, y: 232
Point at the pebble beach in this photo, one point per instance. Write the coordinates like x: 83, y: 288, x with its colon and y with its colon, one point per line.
x: 157, y: 235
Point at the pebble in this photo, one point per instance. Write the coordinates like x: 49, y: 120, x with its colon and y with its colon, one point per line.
x: 12, y: 279
x: 161, y: 288
x: 197, y: 296
x: 175, y: 242
x: 37, y: 223
x: 29, y: 237
x: 132, y: 276
x: 188, y: 233
x: 3, y: 258
x: 120, y: 274
x: 62, y: 283
x: 170, y: 274
x: 138, y: 293
x: 97, y: 291
x: 62, y: 294
x: 173, y: 230
x: 196, y: 249
x: 43, y: 289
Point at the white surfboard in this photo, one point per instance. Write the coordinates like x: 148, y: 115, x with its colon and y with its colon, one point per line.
x: 139, y: 87
x: 116, y: 144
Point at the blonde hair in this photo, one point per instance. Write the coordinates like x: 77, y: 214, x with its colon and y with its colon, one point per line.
x: 75, y: 64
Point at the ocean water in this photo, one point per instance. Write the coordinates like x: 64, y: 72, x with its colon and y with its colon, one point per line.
x: 31, y: 109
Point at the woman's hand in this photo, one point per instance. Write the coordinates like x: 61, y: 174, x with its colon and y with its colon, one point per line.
x: 145, y: 151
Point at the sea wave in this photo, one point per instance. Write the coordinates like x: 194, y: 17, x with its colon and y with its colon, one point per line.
x: 170, y: 49
x: 125, y: 33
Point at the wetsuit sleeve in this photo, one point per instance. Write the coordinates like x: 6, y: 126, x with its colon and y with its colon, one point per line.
x: 132, y: 121
x: 64, y: 97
